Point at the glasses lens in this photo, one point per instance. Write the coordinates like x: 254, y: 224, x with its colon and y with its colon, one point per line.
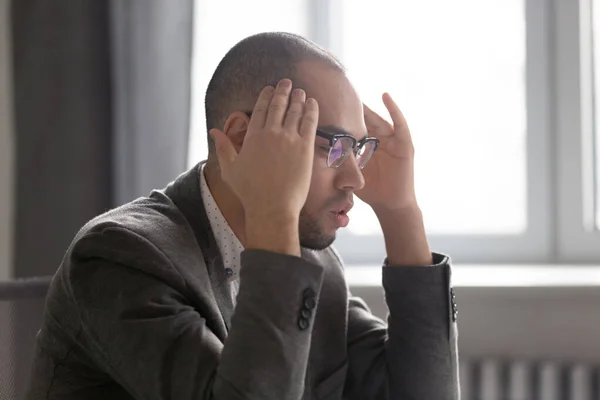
x: 339, y: 152
x: 365, y: 152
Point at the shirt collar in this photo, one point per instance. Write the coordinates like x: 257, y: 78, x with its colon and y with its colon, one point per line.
x: 229, y: 245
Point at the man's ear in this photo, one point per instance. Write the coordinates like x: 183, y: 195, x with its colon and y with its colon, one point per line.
x: 235, y: 128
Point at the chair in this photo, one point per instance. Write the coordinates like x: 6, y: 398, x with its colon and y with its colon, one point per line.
x: 21, y: 313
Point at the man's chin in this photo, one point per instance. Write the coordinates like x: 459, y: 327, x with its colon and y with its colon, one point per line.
x: 317, y: 242
x: 316, y: 233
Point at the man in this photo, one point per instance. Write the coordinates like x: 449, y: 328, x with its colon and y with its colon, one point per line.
x: 224, y: 285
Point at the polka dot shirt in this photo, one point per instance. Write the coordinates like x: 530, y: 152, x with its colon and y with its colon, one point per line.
x: 229, y: 245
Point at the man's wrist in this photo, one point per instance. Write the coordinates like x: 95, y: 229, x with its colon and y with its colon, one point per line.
x: 276, y: 234
x: 407, y: 206
x: 404, y: 235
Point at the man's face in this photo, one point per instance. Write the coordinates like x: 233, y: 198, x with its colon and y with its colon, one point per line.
x: 331, y: 190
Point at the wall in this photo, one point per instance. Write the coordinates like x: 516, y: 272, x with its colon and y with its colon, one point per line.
x: 6, y: 147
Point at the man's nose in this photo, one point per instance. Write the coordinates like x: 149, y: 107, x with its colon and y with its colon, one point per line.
x: 350, y: 176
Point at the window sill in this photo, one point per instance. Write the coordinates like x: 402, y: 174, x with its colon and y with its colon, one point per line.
x: 510, y: 275
x: 531, y: 312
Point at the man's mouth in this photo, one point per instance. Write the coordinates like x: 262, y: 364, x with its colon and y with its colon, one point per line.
x: 339, y: 212
x: 340, y: 215
x: 344, y: 206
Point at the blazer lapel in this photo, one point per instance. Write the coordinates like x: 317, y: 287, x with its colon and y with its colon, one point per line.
x: 185, y: 193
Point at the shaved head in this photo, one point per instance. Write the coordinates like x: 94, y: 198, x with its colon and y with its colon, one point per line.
x: 263, y: 60
x: 253, y: 63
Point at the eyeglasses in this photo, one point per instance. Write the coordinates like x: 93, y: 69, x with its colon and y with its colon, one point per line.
x: 341, y: 145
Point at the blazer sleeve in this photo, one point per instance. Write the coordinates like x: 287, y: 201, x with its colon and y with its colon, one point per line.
x: 415, y: 355
x: 142, y: 331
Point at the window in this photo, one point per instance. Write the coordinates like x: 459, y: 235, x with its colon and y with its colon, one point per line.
x: 463, y: 95
x: 500, y: 97
x: 466, y: 75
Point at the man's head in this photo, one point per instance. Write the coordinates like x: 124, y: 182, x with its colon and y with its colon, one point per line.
x: 264, y: 59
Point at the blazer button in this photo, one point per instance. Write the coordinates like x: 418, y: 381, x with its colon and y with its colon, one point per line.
x: 306, y: 313
x: 303, y: 323
x: 310, y: 303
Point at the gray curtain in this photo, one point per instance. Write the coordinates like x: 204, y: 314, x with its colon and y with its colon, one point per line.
x: 102, y: 102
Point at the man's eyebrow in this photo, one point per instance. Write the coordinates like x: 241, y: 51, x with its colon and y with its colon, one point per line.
x: 336, y: 130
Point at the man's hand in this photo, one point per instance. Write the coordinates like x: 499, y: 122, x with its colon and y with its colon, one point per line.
x: 389, y: 175
x: 271, y: 174
x: 390, y: 188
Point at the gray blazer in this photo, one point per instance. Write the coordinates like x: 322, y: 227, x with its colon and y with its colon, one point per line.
x: 140, y: 309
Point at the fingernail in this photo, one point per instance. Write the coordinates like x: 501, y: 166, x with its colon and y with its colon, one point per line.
x: 297, y: 92
x: 285, y: 83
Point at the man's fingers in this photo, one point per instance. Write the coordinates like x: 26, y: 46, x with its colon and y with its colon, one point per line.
x: 400, y: 125
x: 296, y: 109
x: 394, y: 110
x: 310, y: 119
x: 279, y: 104
x: 226, y: 153
x: 261, y: 108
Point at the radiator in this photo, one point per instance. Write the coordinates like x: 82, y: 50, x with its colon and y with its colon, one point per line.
x: 495, y: 379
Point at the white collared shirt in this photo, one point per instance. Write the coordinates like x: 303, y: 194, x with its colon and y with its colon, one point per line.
x: 229, y: 245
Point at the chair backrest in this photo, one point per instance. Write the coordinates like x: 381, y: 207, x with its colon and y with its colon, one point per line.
x: 21, y: 312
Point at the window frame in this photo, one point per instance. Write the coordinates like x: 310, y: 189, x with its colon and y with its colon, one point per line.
x: 578, y: 241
